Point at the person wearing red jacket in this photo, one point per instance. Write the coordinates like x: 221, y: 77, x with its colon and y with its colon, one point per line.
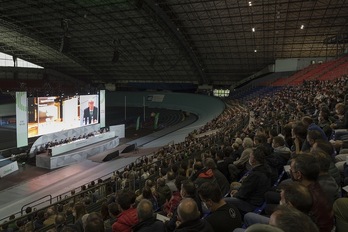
x: 128, y: 217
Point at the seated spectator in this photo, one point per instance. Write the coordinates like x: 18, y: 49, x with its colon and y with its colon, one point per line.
x: 292, y: 194
x: 299, y: 134
x: 94, y: 223
x: 147, y: 221
x: 340, y: 208
x: 172, y: 204
x: 78, y: 212
x: 224, y: 217
x: 305, y: 169
x: 292, y: 220
x: 239, y: 166
x: 39, y: 219
x: 60, y: 222
x: 114, y: 210
x: 189, y: 218
x: 342, y: 118
x: 326, y: 181
x: 222, y: 164
x: 327, y: 148
x: 50, y: 216
x: 221, y: 180
x: 280, y: 155
x: 250, y: 194
x: 163, y: 190
x: 128, y: 216
x: 201, y: 174
x: 171, y: 181
x: 187, y: 190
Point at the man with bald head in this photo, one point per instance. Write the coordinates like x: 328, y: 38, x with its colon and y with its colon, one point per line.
x: 189, y: 218
x: 147, y: 221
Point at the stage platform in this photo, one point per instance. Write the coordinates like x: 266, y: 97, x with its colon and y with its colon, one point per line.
x: 48, y: 161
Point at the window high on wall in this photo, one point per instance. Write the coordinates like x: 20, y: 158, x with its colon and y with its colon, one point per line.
x: 7, y: 60
x: 221, y: 92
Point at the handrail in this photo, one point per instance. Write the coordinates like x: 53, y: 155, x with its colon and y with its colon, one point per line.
x: 50, y: 199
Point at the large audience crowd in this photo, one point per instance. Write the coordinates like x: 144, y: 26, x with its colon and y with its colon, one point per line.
x: 274, y: 163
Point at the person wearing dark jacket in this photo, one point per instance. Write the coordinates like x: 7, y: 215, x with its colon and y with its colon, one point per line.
x: 147, y: 221
x: 250, y: 194
x: 221, y: 180
x: 280, y: 155
x: 187, y: 190
x: 189, y: 218
x: 224, y: 217
x: 201, y: 174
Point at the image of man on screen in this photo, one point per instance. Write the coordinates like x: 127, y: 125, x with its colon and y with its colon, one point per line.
x: 90, y: 114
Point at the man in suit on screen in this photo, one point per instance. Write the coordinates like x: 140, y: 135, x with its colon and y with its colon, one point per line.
x: 90, y: 114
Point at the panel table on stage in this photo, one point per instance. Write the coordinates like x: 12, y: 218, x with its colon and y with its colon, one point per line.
x: 63, y: 148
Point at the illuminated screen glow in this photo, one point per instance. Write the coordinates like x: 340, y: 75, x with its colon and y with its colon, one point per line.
x: 52, y: 114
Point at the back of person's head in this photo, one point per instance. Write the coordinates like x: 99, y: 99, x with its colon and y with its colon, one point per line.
x: 263, y: 228
x: 307, y: 165
x: 313, y: 136
x: 125, y: 199
x: 114, y: 209
x: 239, y: 141
x: 80, y: 210
x: 144, y: 210
x: 28, y: 210
x: 260, y: 139
x: 278, y: 140
x: 60, y: 219
x: 188, y: 210
x: 235, y: 146
x: 70, y: 228
x: 248, y: 142
x: 149, y: 183
x: 323, y: 160
x: 259, y: 154
x: 286, y: 130
x: 299, y: 130
x: 161, y: 182
x: 198, y: 165
x: 170, y: 175
x: 94, y: 223
x: 290, y: 219
x: 50, y: 211
x: 178, y: 181
x: 297, y: 196
x: 210, y: 191
x: 147, y: 193
x: 340, y: 107
x: 306, y: 120
x: 324, y: 146
x: 210, y: 163
x: 189, y: 187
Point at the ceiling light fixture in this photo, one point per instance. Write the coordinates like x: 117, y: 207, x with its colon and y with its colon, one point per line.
x: 250, y: 3
x: 253, y: 29
x: 302, y: 27
x: 255, y: 50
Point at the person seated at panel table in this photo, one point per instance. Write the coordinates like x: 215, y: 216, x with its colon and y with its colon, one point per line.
x: 90, y: 114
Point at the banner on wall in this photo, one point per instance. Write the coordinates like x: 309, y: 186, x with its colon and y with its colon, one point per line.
x: 102, y: 108
x: 9, y: 168
x: 155, y: 98
x: 22, y: 119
